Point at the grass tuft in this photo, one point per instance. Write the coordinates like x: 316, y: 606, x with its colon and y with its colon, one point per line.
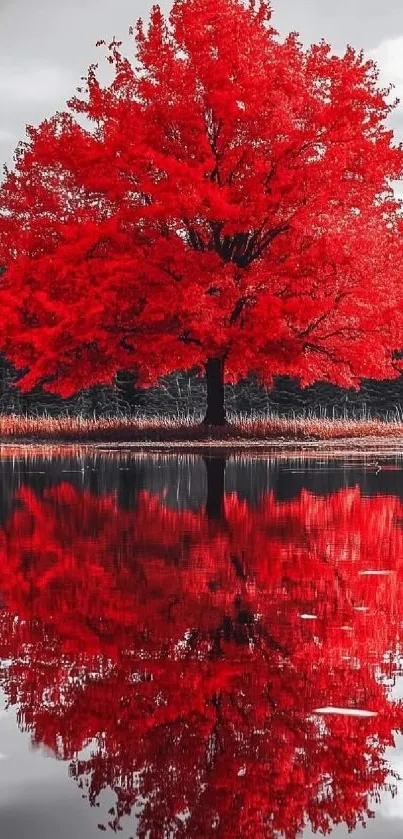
x: 186, y: 429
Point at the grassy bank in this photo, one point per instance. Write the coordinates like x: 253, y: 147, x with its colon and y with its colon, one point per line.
x: 257, y: 429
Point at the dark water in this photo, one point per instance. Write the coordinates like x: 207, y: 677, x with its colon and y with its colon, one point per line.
x: 192, y: 648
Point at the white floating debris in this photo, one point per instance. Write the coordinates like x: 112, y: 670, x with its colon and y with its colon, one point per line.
x: 308, y: 617
x: 347, y: 628
x: 345, y: 712
x: 374, y: 573
x: 361, y: 608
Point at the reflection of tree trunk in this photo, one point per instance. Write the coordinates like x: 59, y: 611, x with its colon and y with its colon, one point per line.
x: 215, y: 468
x: 215, y: 412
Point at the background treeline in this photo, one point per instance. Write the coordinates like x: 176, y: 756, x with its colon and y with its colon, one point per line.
x: 183, y: 394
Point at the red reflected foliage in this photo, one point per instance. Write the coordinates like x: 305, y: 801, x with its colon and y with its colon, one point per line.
x: 219, y: 198
x: 174, y: 648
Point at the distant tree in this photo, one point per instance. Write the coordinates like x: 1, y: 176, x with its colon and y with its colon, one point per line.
x: 224, y: 202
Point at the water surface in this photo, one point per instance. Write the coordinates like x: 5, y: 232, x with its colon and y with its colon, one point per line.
x: 195, y: 647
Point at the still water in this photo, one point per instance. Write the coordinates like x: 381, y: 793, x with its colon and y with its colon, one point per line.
x: 195, y: 647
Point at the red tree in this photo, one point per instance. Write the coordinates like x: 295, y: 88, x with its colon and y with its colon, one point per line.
x: 224, y: 202
x: 171, y: 646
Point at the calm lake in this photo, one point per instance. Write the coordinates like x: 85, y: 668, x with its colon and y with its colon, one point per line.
x: 192, y: 647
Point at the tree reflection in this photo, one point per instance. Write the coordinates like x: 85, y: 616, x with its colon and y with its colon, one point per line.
x: 189, y: 651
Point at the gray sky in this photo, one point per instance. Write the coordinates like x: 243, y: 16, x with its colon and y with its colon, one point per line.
x: 46, y: 45
x: 37, y: 797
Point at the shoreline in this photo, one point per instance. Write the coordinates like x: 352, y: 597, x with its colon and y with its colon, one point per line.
x: 338, y: 447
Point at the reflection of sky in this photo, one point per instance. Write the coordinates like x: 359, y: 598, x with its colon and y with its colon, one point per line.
x: 388, y: 821
x: 37, y: 798
x: 392, y: 808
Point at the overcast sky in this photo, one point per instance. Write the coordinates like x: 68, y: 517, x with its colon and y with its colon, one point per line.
x: 46, y: 45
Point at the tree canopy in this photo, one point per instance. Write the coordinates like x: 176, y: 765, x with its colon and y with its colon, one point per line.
x: 226, y: 197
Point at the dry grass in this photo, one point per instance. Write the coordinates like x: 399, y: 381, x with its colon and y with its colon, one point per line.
x: 162, y: 429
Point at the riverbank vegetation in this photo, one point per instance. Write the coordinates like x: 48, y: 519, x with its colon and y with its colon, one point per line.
x: 242, y: 428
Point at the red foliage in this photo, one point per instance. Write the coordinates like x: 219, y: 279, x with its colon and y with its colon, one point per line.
x: 173, y: 647
x: 226, y: 195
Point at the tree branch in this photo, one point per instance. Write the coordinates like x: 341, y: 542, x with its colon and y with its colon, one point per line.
x: 310, y: 328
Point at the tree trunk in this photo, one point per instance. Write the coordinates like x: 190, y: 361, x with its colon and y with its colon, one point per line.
x: 215, y: 468
x: 215, y: 413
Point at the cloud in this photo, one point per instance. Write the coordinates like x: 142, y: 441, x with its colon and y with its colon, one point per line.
x: 39, y: 84
x: 6, y: 136
x: 389, y: 58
